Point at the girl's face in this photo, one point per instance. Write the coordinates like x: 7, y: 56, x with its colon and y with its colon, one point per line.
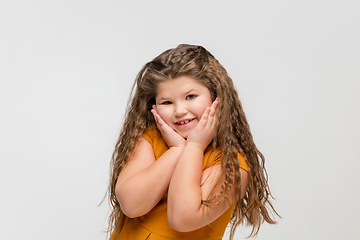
x: 181, y: 102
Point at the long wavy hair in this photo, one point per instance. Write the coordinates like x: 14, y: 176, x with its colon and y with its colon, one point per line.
x: 233, y: 134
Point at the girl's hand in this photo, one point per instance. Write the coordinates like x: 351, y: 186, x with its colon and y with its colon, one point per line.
x: 172, y: 138
x: 204, y: 132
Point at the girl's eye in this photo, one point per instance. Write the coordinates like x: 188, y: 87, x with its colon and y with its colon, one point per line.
x: 166, y: 103
x: 189, y: 97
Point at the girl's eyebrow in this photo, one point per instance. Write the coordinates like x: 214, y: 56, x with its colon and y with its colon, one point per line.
x: 161, y: 98
x: 189, y: 91
x: 166, y: 98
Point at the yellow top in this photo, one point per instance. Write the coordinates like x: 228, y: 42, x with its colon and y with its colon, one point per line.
x: 154, y: 224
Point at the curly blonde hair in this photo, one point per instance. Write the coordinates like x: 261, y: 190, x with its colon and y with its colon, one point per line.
x: 233, y: 133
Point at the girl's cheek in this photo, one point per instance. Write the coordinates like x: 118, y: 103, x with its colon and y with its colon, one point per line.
x: 162, y: 113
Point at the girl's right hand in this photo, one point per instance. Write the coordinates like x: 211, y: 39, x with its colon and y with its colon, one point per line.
x: 172, y: 138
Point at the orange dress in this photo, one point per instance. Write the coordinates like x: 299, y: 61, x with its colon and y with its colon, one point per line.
x: 154, y: 224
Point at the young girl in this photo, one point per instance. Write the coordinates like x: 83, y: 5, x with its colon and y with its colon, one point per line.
x: 185, y: 163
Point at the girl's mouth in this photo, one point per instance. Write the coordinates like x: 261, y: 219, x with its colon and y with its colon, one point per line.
x: 184, y: 122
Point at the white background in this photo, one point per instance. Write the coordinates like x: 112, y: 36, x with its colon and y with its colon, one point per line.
x: 66, y: 68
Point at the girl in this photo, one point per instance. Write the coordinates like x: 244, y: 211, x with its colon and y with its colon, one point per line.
x: 185, y: 163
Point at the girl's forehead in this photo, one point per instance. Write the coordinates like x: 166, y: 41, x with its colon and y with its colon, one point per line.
x: 180, y: 84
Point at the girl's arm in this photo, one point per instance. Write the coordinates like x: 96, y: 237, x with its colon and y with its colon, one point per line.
x: 144, y: 181
x: 185, y: 211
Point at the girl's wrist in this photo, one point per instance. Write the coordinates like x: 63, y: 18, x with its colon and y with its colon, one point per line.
x: 179, y: 148
x: 195, y: 145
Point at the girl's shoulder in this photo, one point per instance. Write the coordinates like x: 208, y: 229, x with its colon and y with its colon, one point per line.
x: 153, y: 136
x: 151, y: 133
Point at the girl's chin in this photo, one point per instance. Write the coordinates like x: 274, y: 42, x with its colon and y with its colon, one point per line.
x: 184, y: 135
x: 183, y: 132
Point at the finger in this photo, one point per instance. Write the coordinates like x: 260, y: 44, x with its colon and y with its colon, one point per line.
x: 211, y: 119
x: 154, y: 109
x: 161, y: 121
x: 157, y: 120
x: 158, y: 124
x: 214, y: 122
x: 212, y: 111
x: 204, y: 117
x: 153, y: 112
x: 214, y: 105
x: 162, y: 125
x: 213, y: 108
x: 155, y: 116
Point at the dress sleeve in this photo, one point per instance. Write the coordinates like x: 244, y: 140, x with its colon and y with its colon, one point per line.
x: 209, y: 156
x: 153, y: 136
x: 242, y: 162
x: 148, y: 135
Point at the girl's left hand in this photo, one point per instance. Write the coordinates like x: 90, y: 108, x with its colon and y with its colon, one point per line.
x: 204, y: 132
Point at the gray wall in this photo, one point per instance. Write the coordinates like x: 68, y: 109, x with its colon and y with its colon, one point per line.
x: 66, y: 68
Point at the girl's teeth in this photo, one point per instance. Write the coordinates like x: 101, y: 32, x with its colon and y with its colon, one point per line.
x: 185, y: 122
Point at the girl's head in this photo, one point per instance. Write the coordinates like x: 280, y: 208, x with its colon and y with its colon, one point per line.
x: 179, y: 66
x: 175, y: 78
x: 181, y: 102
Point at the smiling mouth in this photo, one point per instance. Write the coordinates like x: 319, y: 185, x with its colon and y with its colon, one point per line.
x: 184, y: 122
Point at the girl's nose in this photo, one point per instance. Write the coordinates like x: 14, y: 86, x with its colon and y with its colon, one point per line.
x: 180, y: 110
